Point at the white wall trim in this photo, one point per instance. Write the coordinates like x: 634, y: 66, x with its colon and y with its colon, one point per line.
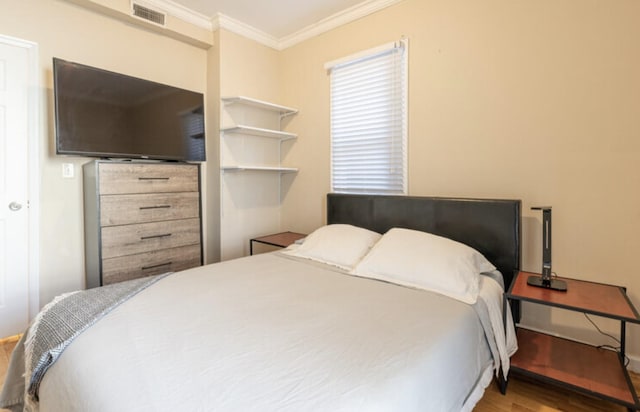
x: 179, y: 11
x: 634, y: 363
x: 236, y: 26
x: 35, y: 131
x: 336, y: 20
x: 33, y: 108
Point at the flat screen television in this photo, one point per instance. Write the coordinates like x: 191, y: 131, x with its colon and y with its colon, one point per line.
x: 104, y: 114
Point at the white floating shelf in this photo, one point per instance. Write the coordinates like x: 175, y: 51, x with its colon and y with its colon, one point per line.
x: 283, y: 110
x: 257, y: 131
x: 239, y: 168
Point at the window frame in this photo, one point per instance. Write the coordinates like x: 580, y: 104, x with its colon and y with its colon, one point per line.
x: 403, y: 76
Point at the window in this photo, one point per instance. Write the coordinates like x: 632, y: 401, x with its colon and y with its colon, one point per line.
x: 369, y: 121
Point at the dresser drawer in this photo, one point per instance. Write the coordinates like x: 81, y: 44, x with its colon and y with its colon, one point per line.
x: 141, y: 219
x: 145, y: 237
x: 152, y: 207
x: 150, y: 263
x: 118, y: 178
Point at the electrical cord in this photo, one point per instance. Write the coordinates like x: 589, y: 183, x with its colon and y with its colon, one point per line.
x: 617, y: 349
x: 609, y: 347
x: 600, y: 330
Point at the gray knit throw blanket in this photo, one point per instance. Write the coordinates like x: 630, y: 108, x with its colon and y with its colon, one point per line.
x: 61, y: 321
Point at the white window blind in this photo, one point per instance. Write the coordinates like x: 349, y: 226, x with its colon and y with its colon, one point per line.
x: 368, y: 121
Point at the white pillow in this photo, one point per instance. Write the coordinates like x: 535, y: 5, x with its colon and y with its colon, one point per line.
x: 338, y: 245
x: 426, y: 261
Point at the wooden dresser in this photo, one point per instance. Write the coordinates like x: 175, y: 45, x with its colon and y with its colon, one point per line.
x: 140, y: 219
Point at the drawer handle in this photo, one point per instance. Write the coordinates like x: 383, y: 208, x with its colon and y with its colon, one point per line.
x: 155, y: 207
x: 153, y: 178
x: 155, y: 236
x: 156, y: 266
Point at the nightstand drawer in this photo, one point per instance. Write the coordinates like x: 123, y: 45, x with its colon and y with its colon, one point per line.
x: 145, y: 237
x: 150, y: 263
x: 143, y: 208
x: 147, y: 178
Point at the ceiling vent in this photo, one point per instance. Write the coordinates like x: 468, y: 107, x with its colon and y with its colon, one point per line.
x: 149, y: 14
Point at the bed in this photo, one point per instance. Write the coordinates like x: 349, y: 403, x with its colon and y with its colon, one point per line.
x: 321, y: 326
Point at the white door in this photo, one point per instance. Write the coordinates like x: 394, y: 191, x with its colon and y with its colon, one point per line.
x: 14, y: 187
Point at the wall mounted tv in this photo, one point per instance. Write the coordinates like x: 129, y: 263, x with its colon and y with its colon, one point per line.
x: 104, y: 114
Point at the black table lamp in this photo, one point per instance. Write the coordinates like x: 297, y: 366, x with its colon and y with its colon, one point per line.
x: 545, y: 280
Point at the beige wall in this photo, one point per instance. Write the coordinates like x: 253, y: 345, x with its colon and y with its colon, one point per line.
x: 250, y: 201
x: 74, y: 33
x: 211, y: 168
x: 535, y: 100
x: 247, y: 68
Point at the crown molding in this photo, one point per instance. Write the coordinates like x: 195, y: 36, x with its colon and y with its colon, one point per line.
x: 220, y: 20
x: 236, y: 26
x: 336, y: 20
x: 181, y: 12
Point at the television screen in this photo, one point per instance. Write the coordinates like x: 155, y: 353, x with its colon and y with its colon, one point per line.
x: 104, y: 114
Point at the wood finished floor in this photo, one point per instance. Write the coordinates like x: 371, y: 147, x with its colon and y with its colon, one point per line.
x: 6, y: 347
x: 526, y: 396
x: 522, y: 395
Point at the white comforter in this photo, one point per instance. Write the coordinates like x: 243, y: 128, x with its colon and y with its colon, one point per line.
x: 271, y: 333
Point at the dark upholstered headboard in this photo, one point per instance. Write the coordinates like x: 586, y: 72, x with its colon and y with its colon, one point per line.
x: 490, y: 226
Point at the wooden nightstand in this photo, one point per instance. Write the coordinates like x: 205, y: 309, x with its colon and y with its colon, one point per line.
x: 574, y: 365
x: 282, y: 239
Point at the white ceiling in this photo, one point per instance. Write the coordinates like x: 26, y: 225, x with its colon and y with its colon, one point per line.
x: 278, y: 18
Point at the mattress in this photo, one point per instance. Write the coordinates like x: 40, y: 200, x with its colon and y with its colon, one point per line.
x: 275, y: 333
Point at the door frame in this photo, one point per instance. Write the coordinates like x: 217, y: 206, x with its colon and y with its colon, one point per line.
x: 33, y: 206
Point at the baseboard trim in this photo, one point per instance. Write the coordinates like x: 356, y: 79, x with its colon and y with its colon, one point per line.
x: 634, y: 363
x: 10, y: 339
